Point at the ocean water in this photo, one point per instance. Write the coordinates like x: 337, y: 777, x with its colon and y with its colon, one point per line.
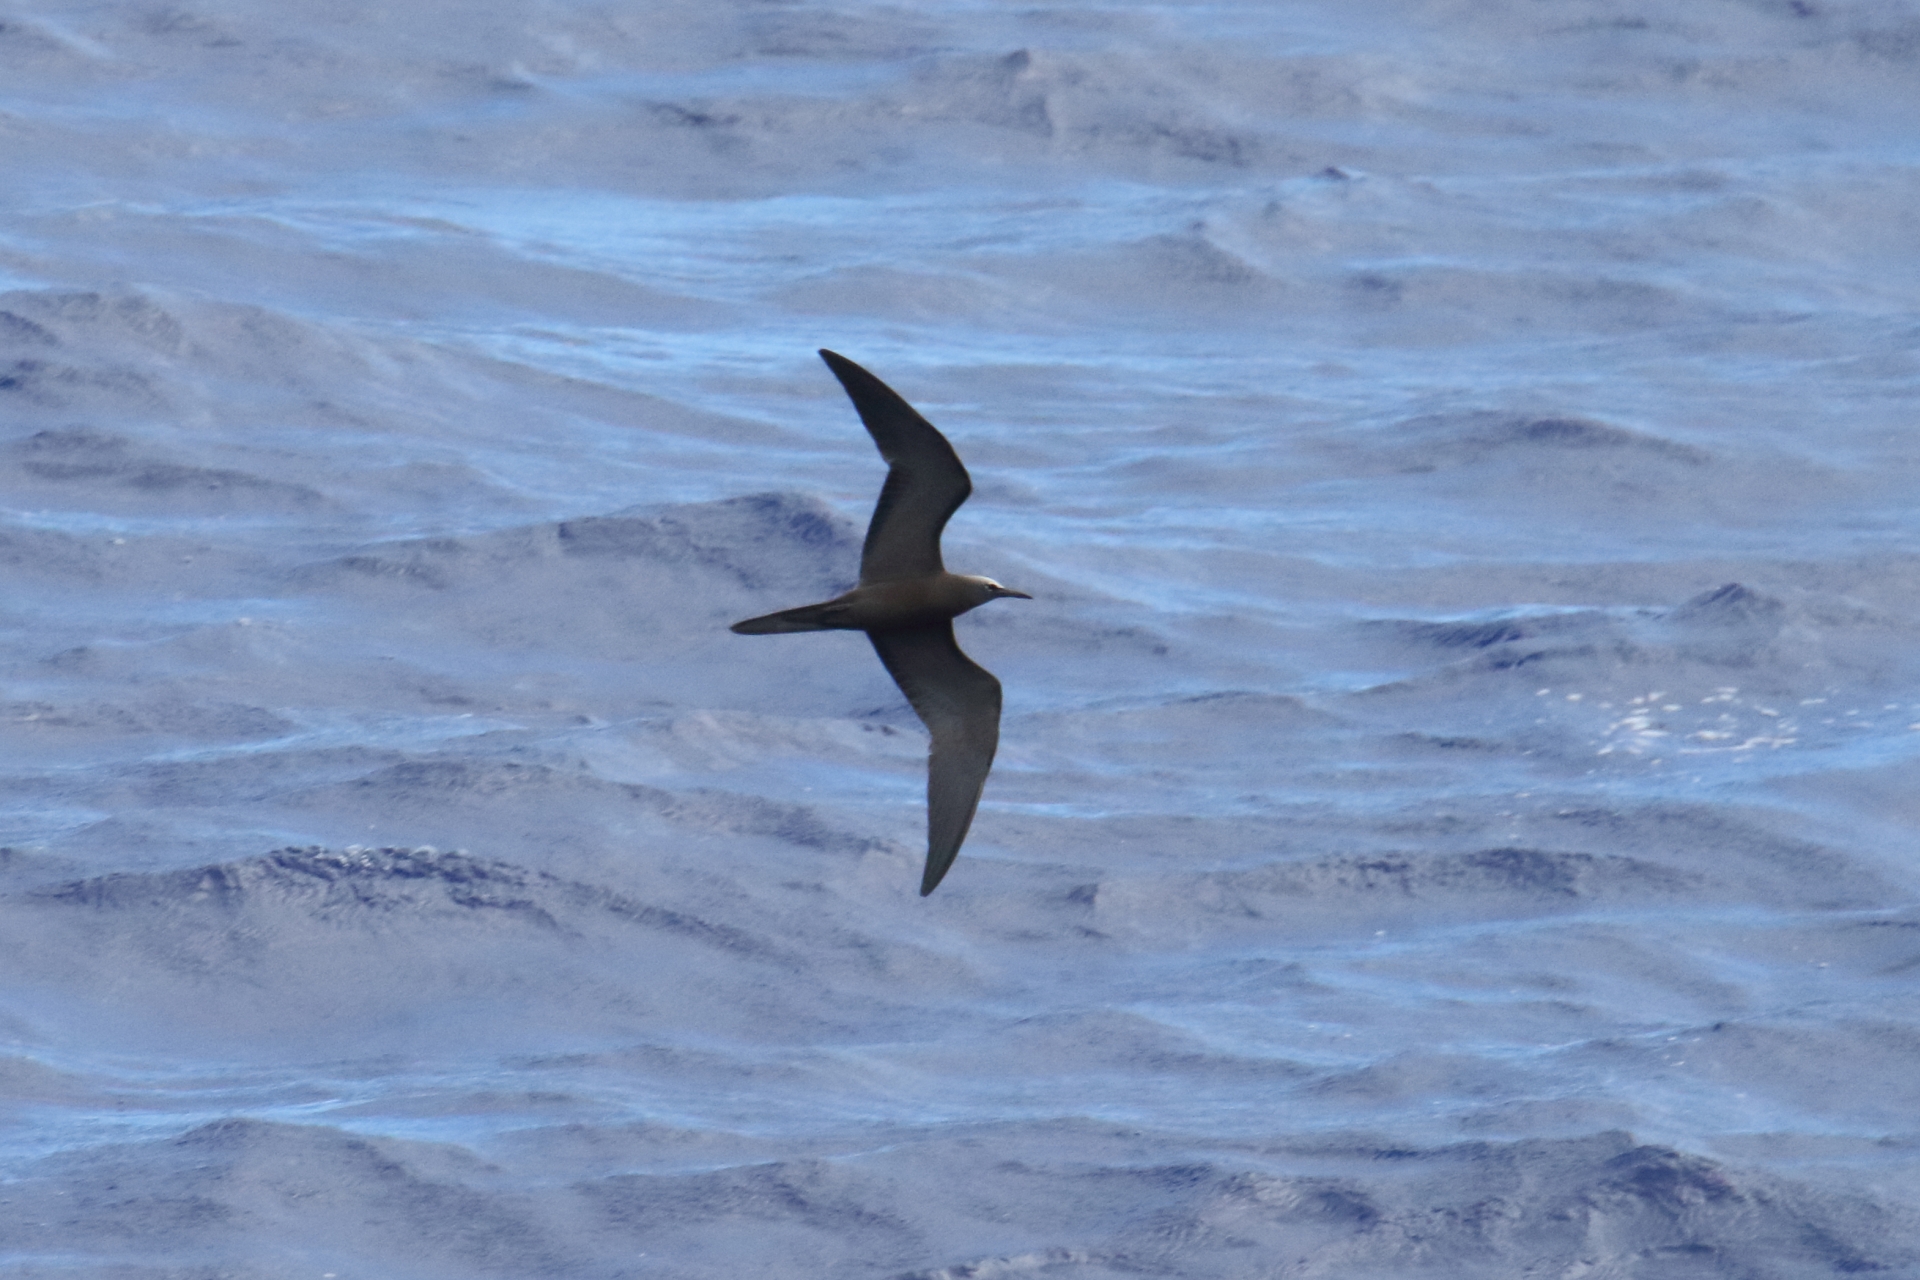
x: 1456, y: 803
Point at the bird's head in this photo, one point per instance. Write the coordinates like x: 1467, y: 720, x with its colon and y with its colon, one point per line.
x: 985, y: 589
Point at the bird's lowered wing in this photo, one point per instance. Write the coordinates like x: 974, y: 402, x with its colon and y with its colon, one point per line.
x: 959, y: 701
x: 925, y: 482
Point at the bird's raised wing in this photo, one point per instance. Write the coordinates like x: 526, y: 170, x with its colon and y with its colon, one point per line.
x: 925, y: 482
x: 959, y: 701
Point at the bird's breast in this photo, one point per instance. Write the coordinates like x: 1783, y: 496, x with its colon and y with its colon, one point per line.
x: 908, y: 602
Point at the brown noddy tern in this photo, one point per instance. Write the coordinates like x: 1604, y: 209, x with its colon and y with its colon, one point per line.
x: 906, y: 603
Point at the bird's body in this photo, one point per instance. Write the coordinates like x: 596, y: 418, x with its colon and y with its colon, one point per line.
x: 884, y: 606
x: 906, y: 603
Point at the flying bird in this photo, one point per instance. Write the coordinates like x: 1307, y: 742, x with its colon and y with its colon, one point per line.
x: 906, y: 603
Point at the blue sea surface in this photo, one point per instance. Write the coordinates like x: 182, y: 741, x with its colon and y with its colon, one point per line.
x: 1455, y: 804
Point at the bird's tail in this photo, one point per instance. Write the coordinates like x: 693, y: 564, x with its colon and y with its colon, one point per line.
x: 808, y: 617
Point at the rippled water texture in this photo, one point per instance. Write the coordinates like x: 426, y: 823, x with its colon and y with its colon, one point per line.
x: 1456, y: 799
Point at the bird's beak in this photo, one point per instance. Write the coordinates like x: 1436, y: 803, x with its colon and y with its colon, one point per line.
x: 1017, y: 595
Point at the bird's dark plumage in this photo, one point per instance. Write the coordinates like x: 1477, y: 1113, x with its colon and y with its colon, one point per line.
x: 925, y: 482
x: 906, y: 603
x: 959, y: 702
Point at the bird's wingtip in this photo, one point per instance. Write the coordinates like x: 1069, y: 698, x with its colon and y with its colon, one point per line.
x: 842, y: 367
x: 931, y: 879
